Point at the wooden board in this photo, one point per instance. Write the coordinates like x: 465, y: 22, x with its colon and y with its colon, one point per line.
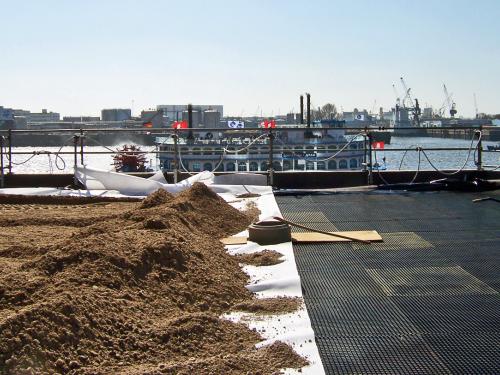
x: 366, y: 235
x: 234, y: 240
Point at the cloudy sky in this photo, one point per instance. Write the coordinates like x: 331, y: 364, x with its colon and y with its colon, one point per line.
x: 77, y: 57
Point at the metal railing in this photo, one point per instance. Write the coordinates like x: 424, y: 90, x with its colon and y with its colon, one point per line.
x: 81, y: 137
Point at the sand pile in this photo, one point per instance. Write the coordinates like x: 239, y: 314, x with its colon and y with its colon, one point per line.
x: 261, y: 259
x: 139, y: 292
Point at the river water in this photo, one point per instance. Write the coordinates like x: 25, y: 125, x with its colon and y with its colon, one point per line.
x: 43, y: 163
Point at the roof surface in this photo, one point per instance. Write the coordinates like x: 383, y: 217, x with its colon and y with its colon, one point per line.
x: 425, y: 301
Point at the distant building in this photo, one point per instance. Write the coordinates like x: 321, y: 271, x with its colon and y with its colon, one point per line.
x: 174, y: 111
x: 43, y: 116
x: 356, y: 118
x: 81, y: 118
x: 116, y: 114
x: 156, y: 117
x: 6, y: 114
x: 212, y: 118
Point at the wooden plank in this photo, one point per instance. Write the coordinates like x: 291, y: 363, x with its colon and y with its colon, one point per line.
x: 237, y: 240
x: 366, y: 235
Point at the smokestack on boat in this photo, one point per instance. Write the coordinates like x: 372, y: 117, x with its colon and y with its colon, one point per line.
x: 302, y: 110
x: 308, y: 96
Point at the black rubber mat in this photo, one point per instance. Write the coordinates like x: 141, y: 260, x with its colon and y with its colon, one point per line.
x: 424, y: 301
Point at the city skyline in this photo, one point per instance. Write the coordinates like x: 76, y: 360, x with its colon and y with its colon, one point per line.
x: 80, y: 57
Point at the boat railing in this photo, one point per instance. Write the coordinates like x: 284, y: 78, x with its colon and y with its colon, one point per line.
x: 243, y: 140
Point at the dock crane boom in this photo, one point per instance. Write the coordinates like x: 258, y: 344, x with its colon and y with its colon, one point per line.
x: 398, y: 97
x: 407, y: 100
x: 451, y: 104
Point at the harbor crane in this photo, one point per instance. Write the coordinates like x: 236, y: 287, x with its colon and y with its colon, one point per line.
x: 407, y: 100
x: 449, y: 103
x: 398, y: 97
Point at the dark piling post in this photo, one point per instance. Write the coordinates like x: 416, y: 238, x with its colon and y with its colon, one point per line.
x: 479, y: 149
x: 190, y: 136
x: 271, y: 151
x: 75, y: 157
x: 9, y: 138
x: 370, y: 165
x: 81, y: 146
x: 2, y: 178
x: 176, y: 150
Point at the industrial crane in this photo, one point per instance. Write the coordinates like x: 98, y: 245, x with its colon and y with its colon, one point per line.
x: 407, y: 100
x: 451, y: 104
x: 398, y: 97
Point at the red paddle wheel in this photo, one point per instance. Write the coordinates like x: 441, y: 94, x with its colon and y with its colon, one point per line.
x: 130, y: 158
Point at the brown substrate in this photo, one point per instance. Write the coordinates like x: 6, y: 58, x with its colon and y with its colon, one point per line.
x: 138, y: 292
x: 252, y: 211
x: 262, y: 258
x: 66, y: 200
x: 274, y: 306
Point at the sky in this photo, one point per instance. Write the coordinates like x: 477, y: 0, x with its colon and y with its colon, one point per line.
x: 256, y: 56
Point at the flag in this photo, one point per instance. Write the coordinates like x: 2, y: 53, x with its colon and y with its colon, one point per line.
x: 179, y: 125
x: 268, y: 124
x: 379, y: 145
x: 236, y: 124
x: 148, y: 124
x: 359, y: 117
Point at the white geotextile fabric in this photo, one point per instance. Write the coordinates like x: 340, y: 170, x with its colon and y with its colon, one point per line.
x: 275, y: 281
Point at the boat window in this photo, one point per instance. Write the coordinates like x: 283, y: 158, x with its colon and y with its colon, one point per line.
x: 195, y: 166
x: 254, y: 166
x: 220, y: 168
x: 207, y: 151
x: 287, y: 165
x: 253, y: 150
x: 184, y: 150
x: 353, y: 146
x: 277, y: 166
x: 343, y: 164
x: 242, y: 166
x: 196, y: 151
x: 310, y: 148
x: 332, y: 147
x: 320, y: 166
x: 332, y: 164
x: 299, y: 165
x: 263, y: 166
x: 207, y: 167
x: 320, y: 148
x: 230, y: 167
x: 353, y: 163
x: 310, y: 166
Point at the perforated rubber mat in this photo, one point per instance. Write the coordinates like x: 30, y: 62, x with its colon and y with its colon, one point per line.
x: 424, y: 301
